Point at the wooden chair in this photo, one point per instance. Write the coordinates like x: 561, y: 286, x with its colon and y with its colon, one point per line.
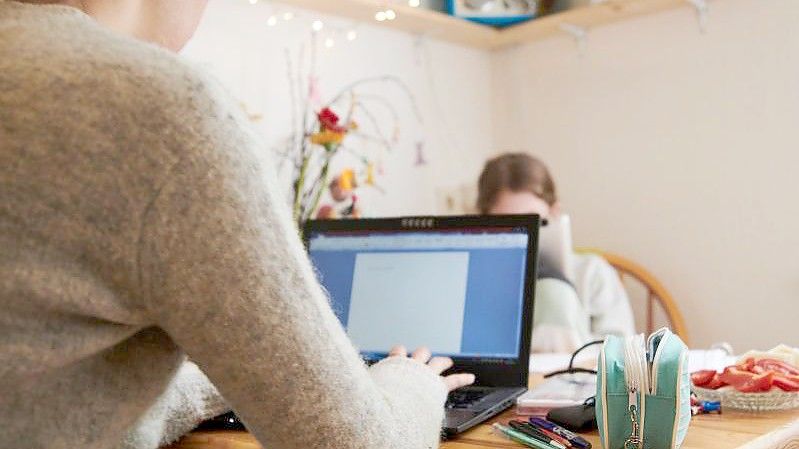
x: 655, y: 291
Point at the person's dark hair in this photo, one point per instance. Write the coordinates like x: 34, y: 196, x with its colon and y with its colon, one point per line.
x: 517, y: 172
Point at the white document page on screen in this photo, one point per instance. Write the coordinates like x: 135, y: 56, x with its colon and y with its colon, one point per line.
x: 415, y: 299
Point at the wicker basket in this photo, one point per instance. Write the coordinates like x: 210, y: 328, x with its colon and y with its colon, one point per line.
x: 729, y: 397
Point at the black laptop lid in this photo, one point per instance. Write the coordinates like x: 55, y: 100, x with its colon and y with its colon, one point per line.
x: 463, y: 286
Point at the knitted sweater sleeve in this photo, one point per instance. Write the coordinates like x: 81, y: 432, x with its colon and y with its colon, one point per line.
x: 189, y: 399
x: 225, y: 274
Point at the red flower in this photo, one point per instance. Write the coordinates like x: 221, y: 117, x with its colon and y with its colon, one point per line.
x: 329, y: 120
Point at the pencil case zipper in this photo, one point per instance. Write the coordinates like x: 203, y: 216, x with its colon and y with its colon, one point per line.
x: 641, y: 362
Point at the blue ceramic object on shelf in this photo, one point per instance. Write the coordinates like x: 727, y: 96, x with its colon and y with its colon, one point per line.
x: 493, y: 12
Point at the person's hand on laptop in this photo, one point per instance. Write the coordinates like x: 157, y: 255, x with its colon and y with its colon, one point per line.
x: 437, y: 364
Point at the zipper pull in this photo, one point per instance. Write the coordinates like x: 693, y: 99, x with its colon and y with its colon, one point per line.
x: 634, y: 440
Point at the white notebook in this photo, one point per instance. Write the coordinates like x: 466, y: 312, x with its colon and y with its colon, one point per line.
x: 559, y: 391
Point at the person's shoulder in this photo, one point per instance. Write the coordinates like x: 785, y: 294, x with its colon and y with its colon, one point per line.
x: 63, y: 52
x: 93, y: 80
x: 590, y: 267
x: 590, y: 262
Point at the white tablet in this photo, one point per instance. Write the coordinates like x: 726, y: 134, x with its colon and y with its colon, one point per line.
x: 555, y: 243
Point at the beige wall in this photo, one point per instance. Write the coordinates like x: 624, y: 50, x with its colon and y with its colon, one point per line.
x: 679, y: 150
x: 452, y: 86
x: 675, y: 148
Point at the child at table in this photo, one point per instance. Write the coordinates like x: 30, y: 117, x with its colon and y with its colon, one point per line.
x: 566, y: 314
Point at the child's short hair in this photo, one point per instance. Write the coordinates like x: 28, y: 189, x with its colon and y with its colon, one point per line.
x: 517, y: 172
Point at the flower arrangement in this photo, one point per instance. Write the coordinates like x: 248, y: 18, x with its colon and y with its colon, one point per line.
x: 325, y: 131
x: 329, y: 135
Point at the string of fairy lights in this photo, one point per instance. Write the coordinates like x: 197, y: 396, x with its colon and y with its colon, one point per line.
x: 333, y: 33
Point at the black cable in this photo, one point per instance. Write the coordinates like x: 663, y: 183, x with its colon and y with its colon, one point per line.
x: 589, y: 344
x: 571, y: 369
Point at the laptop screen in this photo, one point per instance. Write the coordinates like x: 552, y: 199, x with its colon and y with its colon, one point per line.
x: 459, y: 292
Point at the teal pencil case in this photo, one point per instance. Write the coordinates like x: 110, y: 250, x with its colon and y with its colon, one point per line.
x: 643, y: 392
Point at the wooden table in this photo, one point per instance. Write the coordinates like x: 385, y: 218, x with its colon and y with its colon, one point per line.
x: 729, y: 430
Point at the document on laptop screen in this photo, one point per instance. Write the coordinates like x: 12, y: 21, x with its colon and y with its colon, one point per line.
x: 425, y: 286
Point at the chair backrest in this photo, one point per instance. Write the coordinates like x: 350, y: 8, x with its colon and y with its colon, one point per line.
x: 655, y: 292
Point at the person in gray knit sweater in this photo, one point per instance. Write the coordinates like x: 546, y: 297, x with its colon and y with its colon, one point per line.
x: 140, y: 224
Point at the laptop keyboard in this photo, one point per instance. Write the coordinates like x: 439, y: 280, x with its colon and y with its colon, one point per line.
x: 466, y: 397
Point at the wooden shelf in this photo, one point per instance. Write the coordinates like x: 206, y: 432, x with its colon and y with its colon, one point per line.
x: 412, y: 20
x: 586, y: 17
x: 444, y: 27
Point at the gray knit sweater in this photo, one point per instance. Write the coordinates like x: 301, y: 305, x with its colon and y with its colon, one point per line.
x: 138, y: 225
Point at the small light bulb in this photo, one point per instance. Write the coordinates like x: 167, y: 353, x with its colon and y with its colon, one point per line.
x: 271, y: 21
x: 252, y: 2
x: 380, y: 16
x: 329, y: 42
x: 414, y: 3
x: 317, y: 25
x: 352, y: 35
x: 288, y: 15
x: 390, y: 14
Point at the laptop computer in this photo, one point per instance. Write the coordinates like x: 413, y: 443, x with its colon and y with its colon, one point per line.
x: 462, y: 286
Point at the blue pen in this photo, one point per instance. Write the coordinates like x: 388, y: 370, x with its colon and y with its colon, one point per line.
x: 534, y: 432
x: 572, y: 437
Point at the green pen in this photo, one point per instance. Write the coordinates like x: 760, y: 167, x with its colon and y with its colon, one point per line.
x: 520, y: 437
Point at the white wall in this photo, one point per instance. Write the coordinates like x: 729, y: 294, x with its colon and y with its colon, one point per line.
x: 674, y: 148
x: 452, y: 86
x: 678, y: 150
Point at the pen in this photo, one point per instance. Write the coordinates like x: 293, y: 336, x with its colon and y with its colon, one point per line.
x: 559, y: 438
x: 572, y: 437
x: 519, y: 437
x: 533, y: 432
